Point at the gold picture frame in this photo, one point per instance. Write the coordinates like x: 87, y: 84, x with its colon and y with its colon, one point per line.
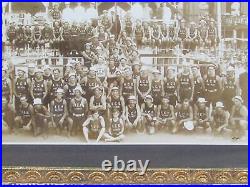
x: 64, y: 175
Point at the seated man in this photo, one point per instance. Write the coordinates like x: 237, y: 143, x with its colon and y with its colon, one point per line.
x: 184, y: 117
x: 59, y: 113
x: 238, y: 118
x: 116, y: 128
x: 165, y: 115
x: 133, y: 114
x: 8, y: 115
x: 40, y: 119
x: 148, y: 113
x: 94, y: 127
x: 219, y: 119
x: 25, y: 114
x: 201, y: 115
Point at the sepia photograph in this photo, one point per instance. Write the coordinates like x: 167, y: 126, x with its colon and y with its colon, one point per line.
x: 125, y: 73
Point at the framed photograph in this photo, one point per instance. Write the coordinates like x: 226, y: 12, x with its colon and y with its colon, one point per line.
x: 125, y: 92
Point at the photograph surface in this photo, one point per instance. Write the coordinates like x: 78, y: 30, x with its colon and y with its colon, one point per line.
x: 125, y: 73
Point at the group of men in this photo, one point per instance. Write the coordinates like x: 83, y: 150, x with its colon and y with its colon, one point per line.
x: 70, y: 38
x: 108, y: 100
x: 111, y: 93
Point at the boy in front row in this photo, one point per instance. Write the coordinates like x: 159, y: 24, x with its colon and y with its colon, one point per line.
x: 94, y: 127
x: 116, y: 128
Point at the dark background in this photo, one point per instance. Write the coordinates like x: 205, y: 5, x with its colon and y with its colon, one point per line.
x: 160, y: 156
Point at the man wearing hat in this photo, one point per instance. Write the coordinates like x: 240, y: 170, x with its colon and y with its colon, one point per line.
x: 133, y: 115
x: 230, y: 85
x: 98, y: 101
x: 47, y: 73
x: 128, y: 25
x: 101, y: 70
x: 25, y: 114
x: 143, y: 83
x: 149, y: 114
x: 212, y: 84
x: 40, y: 119
x: 184, y: 117
x: 238, y: 118
x: 166, y: 115
x: 6, y: 85
x: 59, y: 113
x: 38, y: 88
x: 116, y: 101
x: 157, y: 87
x: 21, y: 87
x: 170, y: 86
x: 128, y: 85
x: 198, y: 83
x: 201, y: 114
x: 219, y: 119
x: 185, y: 85
x: 31, y: 71
x: 105, y: 21
x: 78, y: 109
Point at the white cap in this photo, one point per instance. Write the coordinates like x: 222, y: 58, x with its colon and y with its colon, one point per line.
x: 171, y: 68
x: 37, y: 101
x: 114, y: 88
x: 69, y: 65
x: 189, y: 125
x: 149, y: 97
x: 46, y: 67
x: 31, y: 65
x: 201, y: 100
x: 79, y: 88
x: 132, y: 97
x: 59, y: 90
x: 72, y: 74
x: 156, y: 71
x: 38, y: 70
x: 219, y: 105
x: 239, y: 98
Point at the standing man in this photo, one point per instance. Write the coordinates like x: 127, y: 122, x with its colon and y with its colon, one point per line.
x: 59, y: 113
x: 78, y: 109
x: 143, y: 84
x: 38, y: 88
x: 185, y: 85
x: 157, y: 87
